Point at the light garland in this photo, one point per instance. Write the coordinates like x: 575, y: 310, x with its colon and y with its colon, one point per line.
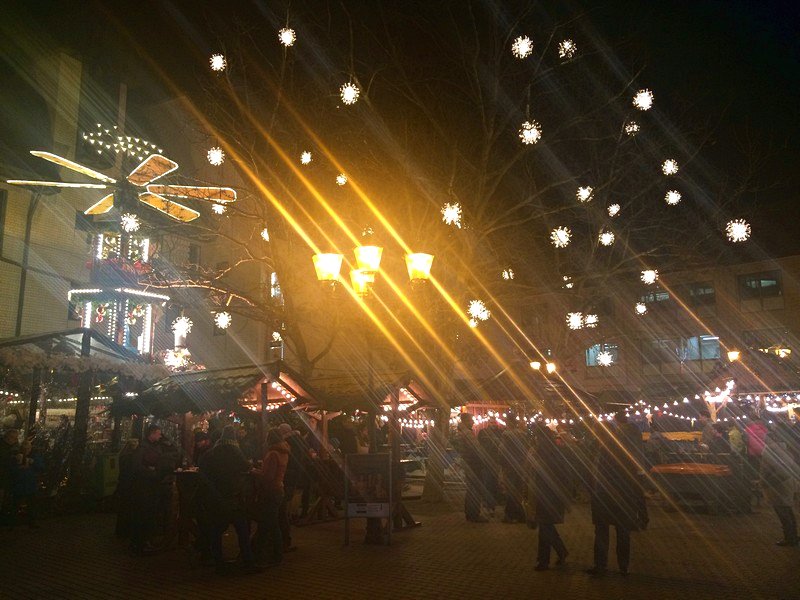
x: 605, y: 359
x: 265, y: 234
x: 568, y: 283
x: 218, y: 209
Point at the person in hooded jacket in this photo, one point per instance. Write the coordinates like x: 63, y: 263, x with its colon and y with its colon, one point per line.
x: 271, y: 499
x: 551, y: 493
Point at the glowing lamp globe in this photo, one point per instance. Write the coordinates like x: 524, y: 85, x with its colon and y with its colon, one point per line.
x: 734, y: 355
x: 361, y: 281
x: 328, y: 265
x: 368, y: 258
x: 535, y: 365
x: 419, y: 266
x: 551, y: 367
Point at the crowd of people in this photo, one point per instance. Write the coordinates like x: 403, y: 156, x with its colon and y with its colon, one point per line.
x: 543, y: 470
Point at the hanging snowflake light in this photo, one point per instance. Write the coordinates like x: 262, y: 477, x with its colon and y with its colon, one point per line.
x: 218, y: 62
x: 560, y: 236
x: 287, y: 36
x: 305, y: 158
x: 473, y: 323
x: 584, y: 194
x: 216, y: 156
x: 606, y: 238
x: 567, y: 49
x: 649, y: 276
x: 182, y: 326
x: 575, y: 320
x: 632, y: 128
x: 522, y: 47
x: 349, y: 93
x: 451, y: 214
x: 218, y: 208
x: 265, y: 234
x: 530, y: 132
x: 478, y: 311
x: 605, y: 359
x: 508, y: 274
x: 568, y: 283
x: 643, y: 100
x: 613, y: 210
x: 129, y: 222
x: 669, y: 166
x: 672, y: 197
x: 738, y: 230
x: 591, y: 321
x: 640, y: 308
x: 341, y: 179
x: 223, y: 320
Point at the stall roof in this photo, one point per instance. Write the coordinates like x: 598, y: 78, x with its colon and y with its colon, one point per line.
x: 352, y: 390
x: 69, y: 342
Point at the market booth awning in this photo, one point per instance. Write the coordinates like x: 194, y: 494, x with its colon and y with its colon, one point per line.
x: 26, y: 349
x: 356, y: 390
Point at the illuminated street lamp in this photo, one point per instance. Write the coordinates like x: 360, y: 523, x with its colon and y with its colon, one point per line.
x: 368, y: 258
x: 734, y: 355
x: 536, y: 365
x: 551, y: 367
x: 328, y: 266
x: 419, y: 266
x: 361, y: 281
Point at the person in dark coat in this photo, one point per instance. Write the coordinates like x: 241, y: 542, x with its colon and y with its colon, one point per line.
x: 25, y: 475
x: 513, y: 452
x: 466, y: 444
x: 617, y: 496
x: 145, y: 490
x: 223, y: 470
x: 489, y: 441
x: 295, y: 475
x: 271, y: 499
x: 125, y: 488
x: 551, y: 493
x: 780, y: 474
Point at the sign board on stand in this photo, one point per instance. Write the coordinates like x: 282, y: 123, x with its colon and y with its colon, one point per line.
x: 368, y: 489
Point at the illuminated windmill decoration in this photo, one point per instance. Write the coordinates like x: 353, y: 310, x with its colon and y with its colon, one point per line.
x: 139, y: 185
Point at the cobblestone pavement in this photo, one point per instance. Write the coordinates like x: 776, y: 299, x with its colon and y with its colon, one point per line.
x: 680, y: 556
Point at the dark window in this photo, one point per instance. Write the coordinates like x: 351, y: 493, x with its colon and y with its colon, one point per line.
x: 593, y: 352
x: 701, y: 294
x: 3, y: 203
x: 760, y: 285
x: 695, y: 348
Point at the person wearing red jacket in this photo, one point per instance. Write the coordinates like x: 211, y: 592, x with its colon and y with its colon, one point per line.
x: 270, y: 497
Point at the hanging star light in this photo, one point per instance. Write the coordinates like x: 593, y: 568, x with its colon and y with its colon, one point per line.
x: 286, y: 36
x: 478, y: 311
x: 669, y: 166
x: 530, y: 132
x: 276, y: 336
x: 585, y: 194
x: 508, y: 274
x: 738, y: 230
x: 613, y: 210
x: 451, y: 214
x: 640, y: 308
x: 305, y: 158
x: 567, y: 49
x: 129, y: 222
x: 560, y: 236
x: 349, y: 93
x: 182, y: 326
x: 216, y: 156
x: 522, y: 47
x: 218, y: 62
x: 223, y: 320
x: 265, y: 234
x: 649, y: 276
x: 643, y: 100
x: 606, y: 238
x: 472, y: 323
x: 575, y: 320
x: 218, y: 209
x: 591, y: 321
x: 341, y: 179
x: 672, y: 197
x: 568, y: 283
x: 605, y: 359
x: 632, y: 128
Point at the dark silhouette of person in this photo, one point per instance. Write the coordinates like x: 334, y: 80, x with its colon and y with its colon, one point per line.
x: 551, y: 496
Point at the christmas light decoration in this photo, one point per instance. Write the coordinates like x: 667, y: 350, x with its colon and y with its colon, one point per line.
x: 222, y: 320
x: 218, y: 62
x: 287, y: 36
x: 305, y: 158
x: 606, y: 238
x: 632, y: 128
x: 129, y: 222
x: 349, y: 93
x: 591, y: 321
x: 341, y: 179
x: 451, y: 214
x: 567, y: 49
x: 508, y: 274
x: 575, y: 320
x: 643, y: 100
x: 265, y: 234
x: 613, y: 210
x: 472, y: 323
x: 672, y: 197
x: 276, y: 336
x: 182, y: 326
x: 478, y: 311
x: 560, y: 236
x: 568, y: 283
x: 649, y: 276
x: 530, y: 132
x: 605, y: 359
x: 216, y: 156
x: 640, y: 308
x: 738, y: 230
x: 522, y: 47
x: 669, y: 166
x: 584, y: 194
x: 218, y: 208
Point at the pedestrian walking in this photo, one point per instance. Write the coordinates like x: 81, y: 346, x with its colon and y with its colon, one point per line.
x: 489, y: 442
x: 268, y: 544
x: 145, y: 491
x: 551, y: 497
x: 513, y: 453
x: 466, y: 444
x: 779, y: 475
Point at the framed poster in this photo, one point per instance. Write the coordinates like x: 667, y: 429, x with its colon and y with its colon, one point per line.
x: 368, y: 488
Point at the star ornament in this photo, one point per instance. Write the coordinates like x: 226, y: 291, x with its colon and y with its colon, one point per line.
x: 673, y: 197
x: 218, y: 209
x: 287, y: 37
x: 560, y: 236
x: 591, y: 321
x: 305, y: 158
x: 129, y: 222
x: 218, y: 63
x: 567, y: 49
x: 216, y: 156
x: 606, y: 238
x: 613, y: 210
x: 530, y: 132
x: 575, y: 320
x: 341, y: 179
x: 349, y: 93
x: 222, y: 320
x: 738, y: 230
x: 478, y: 311
x: 632, y: 128
x: 585, y: 194
x: 182, y: 326
x: 640, y: 308
x: 669, y: 167
x: 451, y: 214
x: 643, y: 99
x: 522, y: 47
x: 649, y: 276
x: 605, y: 359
